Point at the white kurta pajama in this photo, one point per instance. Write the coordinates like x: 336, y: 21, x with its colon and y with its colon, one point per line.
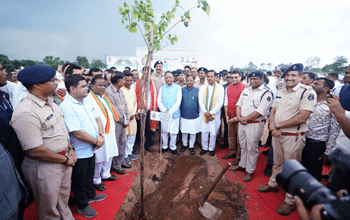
x: 212, y: 127
x: 173, y: 126
x: 104, y: 155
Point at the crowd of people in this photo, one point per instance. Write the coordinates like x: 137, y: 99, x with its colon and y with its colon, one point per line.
x: 67, y: 134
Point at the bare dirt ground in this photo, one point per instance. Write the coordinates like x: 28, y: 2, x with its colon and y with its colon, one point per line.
x: 175, y: 185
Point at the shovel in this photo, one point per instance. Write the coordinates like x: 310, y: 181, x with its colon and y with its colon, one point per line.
x: 205, y: 208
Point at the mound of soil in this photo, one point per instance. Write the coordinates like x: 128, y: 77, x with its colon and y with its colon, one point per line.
x: 180, y: 188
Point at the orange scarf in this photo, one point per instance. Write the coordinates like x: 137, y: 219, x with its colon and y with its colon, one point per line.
x: 104, y: 110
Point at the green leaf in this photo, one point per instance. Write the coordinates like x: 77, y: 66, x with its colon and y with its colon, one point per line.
x: 186, y: 23
x: 120, y: 9
x: 126, y: 5
x: 187, y: 14
x: 175, y: 38
x: 207, y: 10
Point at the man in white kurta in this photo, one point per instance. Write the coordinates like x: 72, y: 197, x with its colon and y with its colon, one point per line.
x: 109, y: 150
x: 131, y: 101
x: 169, y: 100
x: 210, y: 112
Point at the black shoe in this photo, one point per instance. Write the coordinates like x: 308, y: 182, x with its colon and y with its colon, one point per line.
x: 164, y: 150
x: 268, y: 170
x: 183, y: 149
x: 192, y: 152
x: 212, y: 153
x: 325, y: 177
x: 222, y: 146
x: 174, y: 152
x: 265, y: 152
x: 127, y: 166
x: 203, y: 152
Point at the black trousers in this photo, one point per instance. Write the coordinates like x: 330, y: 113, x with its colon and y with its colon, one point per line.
x: 269, y: 159
x: 148, y: 132
x: 312, y: 151
x: 82, y: 181
x: 225, y: 140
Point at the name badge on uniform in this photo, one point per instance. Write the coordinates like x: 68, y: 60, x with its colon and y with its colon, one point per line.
x: 49, y: 117
x: 245, y: 94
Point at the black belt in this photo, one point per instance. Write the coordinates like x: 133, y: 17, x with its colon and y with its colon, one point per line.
x: 313, y: 141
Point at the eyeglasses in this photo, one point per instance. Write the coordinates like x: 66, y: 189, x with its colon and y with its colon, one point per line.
x: 234, y: 77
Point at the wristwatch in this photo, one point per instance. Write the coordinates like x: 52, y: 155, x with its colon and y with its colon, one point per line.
x: 275, y: 126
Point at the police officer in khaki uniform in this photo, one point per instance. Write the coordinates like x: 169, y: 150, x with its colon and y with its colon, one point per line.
x: 293, y: 105
x: 40, y: 127
x: 158, y: 76
x: 251, y: 109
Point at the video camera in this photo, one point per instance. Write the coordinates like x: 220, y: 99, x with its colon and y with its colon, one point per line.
x: 296, y: 180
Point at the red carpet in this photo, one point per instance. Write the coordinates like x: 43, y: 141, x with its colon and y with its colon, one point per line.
x: 106, y: 209
x: 259, y: 205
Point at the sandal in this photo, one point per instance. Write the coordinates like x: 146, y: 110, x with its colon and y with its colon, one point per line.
x: 183, y: 148
x: 111, y: 178
x: 192, y: 152
x: 100, y: 187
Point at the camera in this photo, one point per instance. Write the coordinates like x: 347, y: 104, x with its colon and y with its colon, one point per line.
x: 296, y: 180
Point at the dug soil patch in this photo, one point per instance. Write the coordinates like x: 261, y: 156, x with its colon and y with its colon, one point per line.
x: 180, y: 187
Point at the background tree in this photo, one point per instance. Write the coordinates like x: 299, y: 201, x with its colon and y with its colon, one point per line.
x: 83, y: 62
x: 25, y: 63
x: 269, y: 66
x: 262, y: 66
x: 283, y: 66
x: 98, y: 63
x: 51, y: 61
x: 338, y: 66
x: 4, y: 60
x: 140, y: 16
x: 312, y: 62
x: 250, y: 67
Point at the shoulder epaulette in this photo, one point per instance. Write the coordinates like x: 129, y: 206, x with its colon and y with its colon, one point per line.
x: 27, y: 105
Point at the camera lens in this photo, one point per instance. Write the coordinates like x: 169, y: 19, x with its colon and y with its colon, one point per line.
x: 296, y: 180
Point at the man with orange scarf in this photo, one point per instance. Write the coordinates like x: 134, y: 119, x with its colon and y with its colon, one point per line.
x: 151, y: 105
x: 211, y: 99
x: 109, y: 117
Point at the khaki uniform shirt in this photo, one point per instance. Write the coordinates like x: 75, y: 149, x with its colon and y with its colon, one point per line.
x: 159, y: 80
x: 118, y: 100
x: 37, y: 123
x: 181, y: 86
x: 288, y: 104
x: 198, y: 84
x: 255, y: 100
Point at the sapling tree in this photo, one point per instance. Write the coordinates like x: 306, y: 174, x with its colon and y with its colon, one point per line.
x: 156, y: 33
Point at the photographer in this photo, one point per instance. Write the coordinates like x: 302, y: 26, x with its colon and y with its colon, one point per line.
x: 315, y: 213
x: 338, y: 180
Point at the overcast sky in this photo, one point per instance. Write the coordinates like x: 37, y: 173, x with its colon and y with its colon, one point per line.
x: 236, y: 32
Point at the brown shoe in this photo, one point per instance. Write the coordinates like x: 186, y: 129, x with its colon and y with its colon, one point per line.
x: 248, y: 177
x: 236, y: 161
x: 285, y: 209
x: 121, y: 171
x: 237, y: 168
x: 229, y: 156
x: 267, y: 188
